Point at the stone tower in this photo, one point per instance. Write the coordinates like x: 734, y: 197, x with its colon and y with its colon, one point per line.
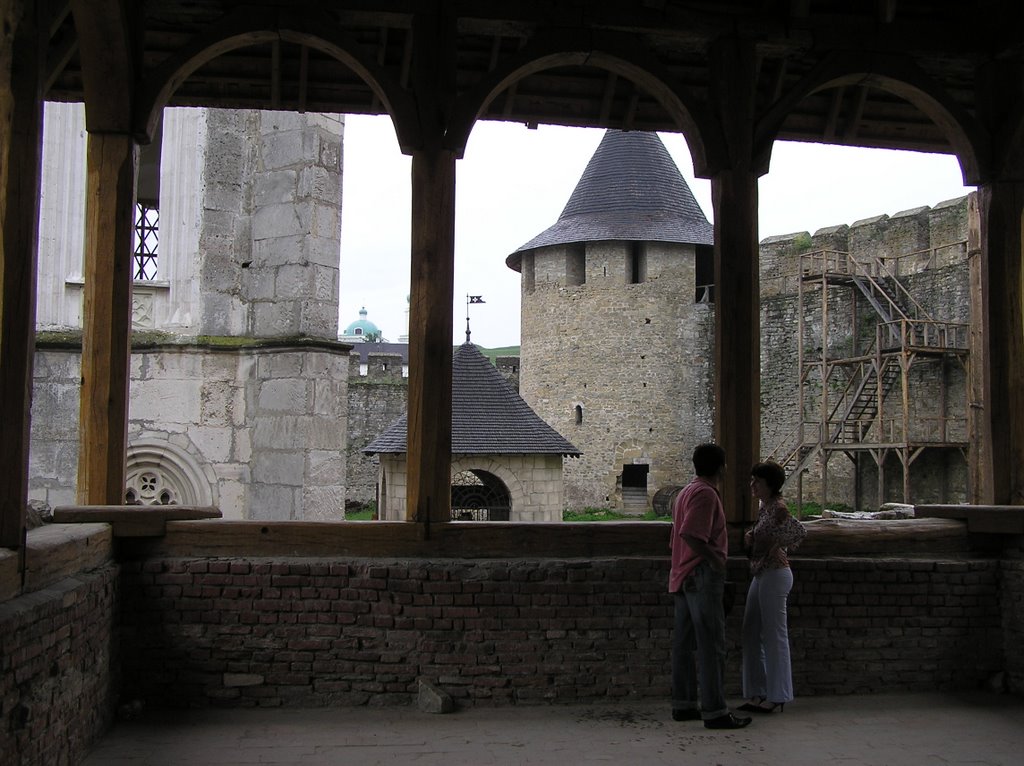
x: 618, y: 324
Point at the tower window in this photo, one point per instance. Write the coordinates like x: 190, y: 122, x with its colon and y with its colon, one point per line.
x: 579, y: 414
x: 704, y: 274
x: 637, y: 270
x: 576, y: 265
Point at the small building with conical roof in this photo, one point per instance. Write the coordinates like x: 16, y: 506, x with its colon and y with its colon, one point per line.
x: 506, y: 461
x: 617, y: 338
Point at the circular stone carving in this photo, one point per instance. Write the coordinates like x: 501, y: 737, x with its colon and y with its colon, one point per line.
x: 159, y: 473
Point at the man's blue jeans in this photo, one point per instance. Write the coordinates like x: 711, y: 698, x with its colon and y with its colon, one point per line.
x: 698, y: 644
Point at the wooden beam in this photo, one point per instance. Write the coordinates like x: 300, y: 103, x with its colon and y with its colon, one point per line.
x: 108, y: 63
x: 303, y: 77
x: 106, y: 335
x: 832, y: 118
x: 430, y: 337
x: 1001, y: 204
x: 21, y: 120
x: 608, y: 97
x: 737, y: 281
x: 433, y: 274
x: 275, y: 74
x: 979, y: 483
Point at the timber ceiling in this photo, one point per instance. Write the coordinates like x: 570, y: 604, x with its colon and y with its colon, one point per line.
x: 948, y: 43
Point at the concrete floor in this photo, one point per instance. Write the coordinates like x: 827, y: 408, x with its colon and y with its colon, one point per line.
x: 899, y: 729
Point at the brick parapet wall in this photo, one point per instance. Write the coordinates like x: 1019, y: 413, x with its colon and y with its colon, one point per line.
x: 269, y: 632
x: 58, y: 651
x: 1012, y: 596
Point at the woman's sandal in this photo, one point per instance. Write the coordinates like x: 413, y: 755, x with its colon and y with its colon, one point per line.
x: 754, y: 706
x: 771, y: 707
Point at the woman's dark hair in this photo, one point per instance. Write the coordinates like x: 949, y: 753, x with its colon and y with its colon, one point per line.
x: 773, y: 474
x: 707, y: 459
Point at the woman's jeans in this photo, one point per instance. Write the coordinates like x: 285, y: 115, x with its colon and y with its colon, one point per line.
x: 766, y: 667
x: 698, y: 644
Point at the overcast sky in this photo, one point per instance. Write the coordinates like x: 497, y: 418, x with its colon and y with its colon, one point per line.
x: 513, y: 183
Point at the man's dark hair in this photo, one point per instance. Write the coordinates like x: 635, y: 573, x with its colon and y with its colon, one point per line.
x: 773, y: 474
x: 708, y: 459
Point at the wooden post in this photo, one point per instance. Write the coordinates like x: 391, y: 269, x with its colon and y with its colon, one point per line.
x: 430, y: 336
x: 737, y: 278
x: 106, y: 336
x: 21, y: 119
x: 979, y: 455
x: 1001, y: 206
x: 737, y: 336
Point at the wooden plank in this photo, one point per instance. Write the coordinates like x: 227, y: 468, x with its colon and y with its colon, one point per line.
x: 133, y: 520
x: 458, y: 540
x: 112, y: 169
x: 21, y: 118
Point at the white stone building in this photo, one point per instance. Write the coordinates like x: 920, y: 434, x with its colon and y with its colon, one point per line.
x: 238, y: 384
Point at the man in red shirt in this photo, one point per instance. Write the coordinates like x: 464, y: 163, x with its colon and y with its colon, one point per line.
x: 700, y: 547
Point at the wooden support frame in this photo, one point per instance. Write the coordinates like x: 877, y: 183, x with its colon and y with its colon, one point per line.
x: 106, y: 338
x: 1001, y: 206
x: 21, y: 125
x: 737, y: 282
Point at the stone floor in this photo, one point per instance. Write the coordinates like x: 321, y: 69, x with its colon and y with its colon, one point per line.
x: 899, y: 729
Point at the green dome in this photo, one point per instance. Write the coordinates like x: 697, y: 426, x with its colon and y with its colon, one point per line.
x: 362, y: 326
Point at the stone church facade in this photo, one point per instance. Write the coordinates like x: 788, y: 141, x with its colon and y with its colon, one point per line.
x: 238, y: 384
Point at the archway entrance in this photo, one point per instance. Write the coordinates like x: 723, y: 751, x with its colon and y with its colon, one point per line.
x: 479, y: 496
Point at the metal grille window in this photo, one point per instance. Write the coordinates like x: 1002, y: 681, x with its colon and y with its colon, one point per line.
x: 479, y: 496
x: 147, y: 241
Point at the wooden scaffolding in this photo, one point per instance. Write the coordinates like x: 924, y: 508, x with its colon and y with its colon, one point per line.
x: 857, y: 393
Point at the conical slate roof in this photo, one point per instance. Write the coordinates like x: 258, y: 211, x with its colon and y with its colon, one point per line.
x: 488, y: 416
x: 631, y: 190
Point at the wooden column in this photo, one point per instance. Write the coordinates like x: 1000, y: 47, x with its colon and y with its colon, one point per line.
x: 737, y: 279
x: 1001, y: 214
x: 106, y: 336
x: 737, y: 336
x: 21, y: 119
x: 430, y: 336
x: 979, y: 434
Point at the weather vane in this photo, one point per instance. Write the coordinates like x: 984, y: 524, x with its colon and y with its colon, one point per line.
x: 471, y: 299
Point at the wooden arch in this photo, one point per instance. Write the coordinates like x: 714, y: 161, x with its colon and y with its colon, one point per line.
x: 613, y: 53
x: 243, y: 28
x: 896, y: 75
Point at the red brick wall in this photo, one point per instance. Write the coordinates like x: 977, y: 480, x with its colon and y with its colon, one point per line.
x: 58, y: 683
x: 318, y: 632
x: 1012, y: 593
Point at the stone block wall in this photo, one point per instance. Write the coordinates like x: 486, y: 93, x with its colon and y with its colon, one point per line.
x: 926, y: 248
x: 259, y: 431
x: 341, y: 631
x: 375, y: 401
x: 635, y: 358
x: 58, y: 687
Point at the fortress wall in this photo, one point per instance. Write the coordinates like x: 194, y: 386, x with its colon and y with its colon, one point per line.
x: 375, y: 401
x: 934, y: 270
